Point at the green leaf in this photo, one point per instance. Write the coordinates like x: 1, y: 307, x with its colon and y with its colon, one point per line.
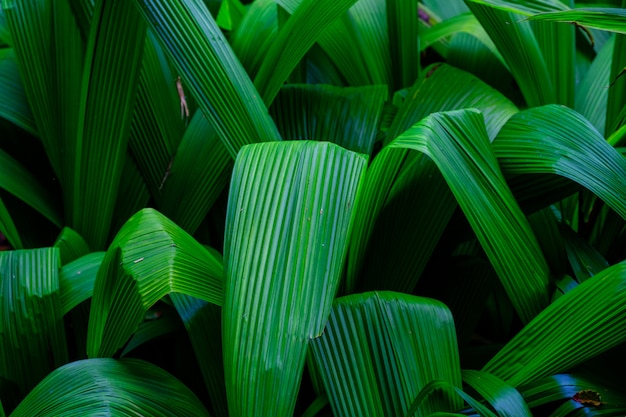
x: 96, y: 387
x: 115, y: 46
x: 149, y: 258
x: 230, y: 15
x: 379, y: 349
x: 208, y: 67
x: 346, y: 116
x: 298, y: 35
x: 14, y: 105
x: 585, y: 261
x: 557, y: 140
x: 77, y: 280
x: 8, y: 228
x: 71, y: 245
x: 524, y: 7
x: 457, y: 142
x: 32, y: 332
x: 51, y: 76
x: 579, y: 325
x: 287, y: 227
x: 505, y: 399
x: 611, y: 19
x: 198, y: 174
x: 18, y: 181
x: 405, y: 204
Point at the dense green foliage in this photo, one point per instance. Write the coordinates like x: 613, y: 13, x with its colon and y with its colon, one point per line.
x: 312, y: 207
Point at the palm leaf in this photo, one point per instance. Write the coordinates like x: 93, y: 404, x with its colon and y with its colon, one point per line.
x: 457, y: 142
x: 8, y: 227
x: 51, y: 80
x: 77, y: 280
x: 115, y: 46
x: 405, y: 204
x: 32, y: 333
x: 379, y: 350
x: 557, y: 140
x: 149, y: 258
x: 616, y: 104
x: 524, y: 7
x: 208, y: 67
x: 402, y: 24
x: 287, y: 226
x: 95, y: 387
x: 297, y: 36
x: 346, y: 116
x: 579, y: 325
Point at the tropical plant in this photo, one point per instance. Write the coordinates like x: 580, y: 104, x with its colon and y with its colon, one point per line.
x: 312, y: 207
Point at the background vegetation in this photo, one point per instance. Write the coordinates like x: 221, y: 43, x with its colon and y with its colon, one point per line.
x: 312, y: 208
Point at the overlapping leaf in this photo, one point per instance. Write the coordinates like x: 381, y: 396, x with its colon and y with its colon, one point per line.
x: 32, y: 332
x: 149, y: 258
x: 379, y: 350
x: 288, y: 222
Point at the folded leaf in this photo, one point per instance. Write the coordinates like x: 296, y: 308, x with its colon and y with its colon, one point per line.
x: 287, y: 227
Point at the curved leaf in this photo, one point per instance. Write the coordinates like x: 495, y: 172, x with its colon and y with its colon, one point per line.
x: 71, y: 245
x: 605, y: 18
x: 207, y: 65
x: 149, y: 258
x: 457, y: 142
x: 96, y: 387
x: 380, y: 349
x: 557, y: 140
x: 579, y: 325
x: 287, y: 227
x: 32, y: 333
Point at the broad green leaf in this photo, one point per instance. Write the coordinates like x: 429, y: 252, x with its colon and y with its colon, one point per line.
x: 71, y: 245
x: 149, y: 258
x: 96, y: 387
x: 51, y: 76
x: 77, y: 280
x: 18, y: 181
x: 115, y: 46
x: 611, y: 19
x: 557, y: 140
x: 132, y: 196
x: 457, y: 142
x: 197, y: 175
x: 579, y: 325
x: 298, y: 35
x: 287, y: 227
x: 405, y: 204
x: 445, y: 388
x: 505, y: 399
x: 592, y: 92
x: 14, y: 105
x: 203, y: 323
x: 230, y: 15
x: 380, y: 349
x: 616, y: 104
x: 210, y: 70
x: 546, y: 228
x: 32, y: 332
x: 520, y: 49
x: 346, y: 116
